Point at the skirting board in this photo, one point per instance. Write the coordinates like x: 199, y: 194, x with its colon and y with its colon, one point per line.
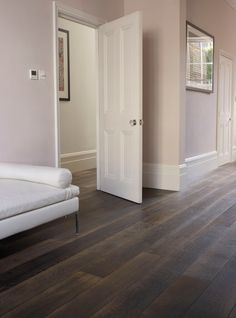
x: 79, y: 161
x: 165, y: 177
x: 175, y: 178
x: 199, y: 165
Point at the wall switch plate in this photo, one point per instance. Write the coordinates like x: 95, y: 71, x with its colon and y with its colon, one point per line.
x: 33, y: 74
x: 42, y: 74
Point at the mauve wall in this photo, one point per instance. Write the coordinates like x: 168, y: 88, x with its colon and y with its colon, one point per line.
x: 219, y: 19
x: 26, y: 107
x: 163, y: 96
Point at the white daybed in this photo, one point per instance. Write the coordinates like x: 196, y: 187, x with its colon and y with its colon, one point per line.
x: 33, y: 195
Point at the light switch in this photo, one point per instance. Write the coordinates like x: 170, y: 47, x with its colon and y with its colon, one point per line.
x: 33, y: 74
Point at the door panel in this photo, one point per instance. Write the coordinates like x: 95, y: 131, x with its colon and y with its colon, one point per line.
x: 225, y: 110
x: 120, y: 102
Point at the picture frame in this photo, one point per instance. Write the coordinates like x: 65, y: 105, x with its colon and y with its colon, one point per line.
x: 64, y: 64
x: 199, y: 60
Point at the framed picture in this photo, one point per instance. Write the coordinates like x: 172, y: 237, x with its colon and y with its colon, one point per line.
x: 64, y: 64
x: 200, y: 60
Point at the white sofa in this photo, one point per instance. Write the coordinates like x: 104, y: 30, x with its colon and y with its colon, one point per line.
x: 33, y: 195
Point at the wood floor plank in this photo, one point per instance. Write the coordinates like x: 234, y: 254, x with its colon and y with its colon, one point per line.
x: 54, y: 297
x: 134, y: 242
x: 29, y: 253
x: 219, y: 298
x: 26, y: 270
x: 43, y: 232
x: 198, y: 225
x: 107, y: 288
x: 167, y: 256
x: 133, y: 294
x: 232, y: 313
x: 214, y: 259
x: 139, y: 244
x: 128, y: 302
x: 179, y: 297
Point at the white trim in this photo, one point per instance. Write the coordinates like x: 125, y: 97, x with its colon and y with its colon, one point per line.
x: 79, y: 161
x: 174, y: 177
x: 78, y: 16
x: 199, y: 165
x: 201, y: 158
x: 234, y: 154
x: 165, y: 177
x: 80, y: 153
x: 97, y: 116
x: 55, y: 86
x: 230, y: 57
x: 226, y: 54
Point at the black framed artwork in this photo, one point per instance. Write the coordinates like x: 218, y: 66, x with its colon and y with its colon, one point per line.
x: 200, y: 60
x: 64, y: 64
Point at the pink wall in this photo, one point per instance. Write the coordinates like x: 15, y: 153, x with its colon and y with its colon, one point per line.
x: 26, y: 107
x: 219, y: 19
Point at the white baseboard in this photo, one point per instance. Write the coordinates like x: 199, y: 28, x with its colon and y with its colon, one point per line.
x: 165, y: 177
x: 79, y: 161
x: 234, y: 154
x: 157, y: 176
x: 174, y: 178
x: 199, y: 165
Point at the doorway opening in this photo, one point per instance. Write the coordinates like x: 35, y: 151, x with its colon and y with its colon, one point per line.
x: 76, y: 94
x: 115, y: 86
x: 78, y: 108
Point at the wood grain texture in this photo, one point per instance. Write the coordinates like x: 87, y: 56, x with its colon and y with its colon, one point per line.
x: 173, y: 256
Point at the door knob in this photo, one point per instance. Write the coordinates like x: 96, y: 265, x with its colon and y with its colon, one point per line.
x: 133, y: 122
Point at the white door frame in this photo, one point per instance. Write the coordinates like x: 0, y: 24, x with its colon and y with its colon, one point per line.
x: 63, y: 11
x: 229, y: 56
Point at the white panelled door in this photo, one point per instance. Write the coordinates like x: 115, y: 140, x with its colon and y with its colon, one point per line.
x: 225, y: 110
x: 120, y: 107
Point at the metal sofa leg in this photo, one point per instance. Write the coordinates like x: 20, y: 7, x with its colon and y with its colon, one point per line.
x: 77, y: 222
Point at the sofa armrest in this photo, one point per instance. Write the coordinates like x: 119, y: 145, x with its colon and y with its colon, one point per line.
x: 56, y: 177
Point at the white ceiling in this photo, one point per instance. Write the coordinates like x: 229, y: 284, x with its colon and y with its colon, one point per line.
x: 232, y: 3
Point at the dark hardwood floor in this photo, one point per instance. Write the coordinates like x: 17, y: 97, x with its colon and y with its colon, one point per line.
x: 173, y: 256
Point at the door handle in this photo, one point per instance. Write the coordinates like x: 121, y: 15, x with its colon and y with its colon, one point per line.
x: 133, y: 122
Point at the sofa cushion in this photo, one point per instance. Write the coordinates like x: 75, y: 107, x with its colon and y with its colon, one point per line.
x: 18, y: 197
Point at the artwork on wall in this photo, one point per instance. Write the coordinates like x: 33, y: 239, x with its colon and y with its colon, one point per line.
x: 200, y: 60
x: 64, y: 64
